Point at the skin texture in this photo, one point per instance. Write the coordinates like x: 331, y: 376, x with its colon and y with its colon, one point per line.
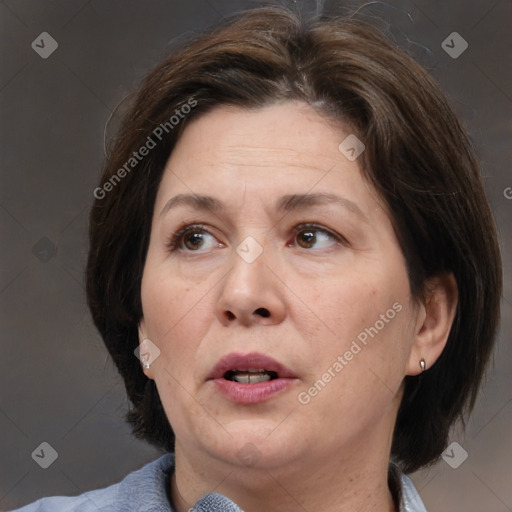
x: 202, y: 300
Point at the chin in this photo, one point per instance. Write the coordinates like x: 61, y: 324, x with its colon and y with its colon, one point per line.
x: 257, y: 444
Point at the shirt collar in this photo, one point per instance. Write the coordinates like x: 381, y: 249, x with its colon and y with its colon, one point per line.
x: 403, y: 490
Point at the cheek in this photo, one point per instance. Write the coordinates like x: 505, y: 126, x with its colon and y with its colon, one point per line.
x: 175, y: 315
x: 354, y: 380
x: 362, y: 317
x: 346, y: 305
x: 176, y: 320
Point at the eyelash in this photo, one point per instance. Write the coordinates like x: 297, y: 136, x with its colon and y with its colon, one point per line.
x: 173, y: 241
x: 177, y: 238
x: 317, y: 227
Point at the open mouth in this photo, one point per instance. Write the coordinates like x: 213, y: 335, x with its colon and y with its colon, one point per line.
x: 251, y: 376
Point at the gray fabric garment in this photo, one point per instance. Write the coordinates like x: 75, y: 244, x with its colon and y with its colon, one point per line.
x: 145, y: 490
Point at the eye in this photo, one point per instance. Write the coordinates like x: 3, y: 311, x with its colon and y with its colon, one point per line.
x: 315, y: 237
x: 193, y: 239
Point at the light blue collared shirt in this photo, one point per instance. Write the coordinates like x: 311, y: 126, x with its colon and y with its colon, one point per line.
x: 145, y: 490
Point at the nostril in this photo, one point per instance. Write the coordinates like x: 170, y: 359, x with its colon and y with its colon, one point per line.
x: 264, y: 312
x: 230, y: 315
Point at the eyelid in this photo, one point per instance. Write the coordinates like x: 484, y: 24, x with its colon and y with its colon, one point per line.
x: 175, y: 239
x: 319, y: 227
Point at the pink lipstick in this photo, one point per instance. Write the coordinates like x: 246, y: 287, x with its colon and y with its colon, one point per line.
x: 250, y: 378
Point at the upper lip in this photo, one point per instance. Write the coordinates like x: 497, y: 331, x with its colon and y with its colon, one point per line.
x: 250, y: 361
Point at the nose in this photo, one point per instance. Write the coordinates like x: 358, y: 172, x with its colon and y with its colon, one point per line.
x: 251, y: 294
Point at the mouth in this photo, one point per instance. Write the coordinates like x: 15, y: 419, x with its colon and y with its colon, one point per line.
x: 250, y: 378
x: 251, y: 368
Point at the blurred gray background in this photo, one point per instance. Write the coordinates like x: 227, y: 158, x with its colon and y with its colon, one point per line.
x: 57, y: 384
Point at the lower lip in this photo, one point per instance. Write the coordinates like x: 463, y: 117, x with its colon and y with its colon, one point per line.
x: 251, y: 393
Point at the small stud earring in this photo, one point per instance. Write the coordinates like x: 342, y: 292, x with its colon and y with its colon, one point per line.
x: 422, y: 365
x: 144, y: 359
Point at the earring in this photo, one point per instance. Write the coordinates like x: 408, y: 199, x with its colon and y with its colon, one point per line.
x: 422, y: 365
x: 144, y: 359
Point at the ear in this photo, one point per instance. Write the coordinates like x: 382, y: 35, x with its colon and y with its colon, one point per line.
x: 434, y: 321
x: 145, y: 349
x: 142, y: 329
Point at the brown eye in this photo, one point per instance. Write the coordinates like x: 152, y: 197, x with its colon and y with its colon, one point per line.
x: 193, y: 241
x: 315, y: 237
x: 306, y: 238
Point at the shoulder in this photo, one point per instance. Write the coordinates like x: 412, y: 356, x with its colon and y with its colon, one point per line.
x: 147, y: 485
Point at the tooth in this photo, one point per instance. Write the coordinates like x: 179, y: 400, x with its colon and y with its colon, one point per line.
x: 243, y: 378
x: 251, y: 377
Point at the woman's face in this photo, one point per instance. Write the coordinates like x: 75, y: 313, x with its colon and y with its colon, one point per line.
x: 283, y: 312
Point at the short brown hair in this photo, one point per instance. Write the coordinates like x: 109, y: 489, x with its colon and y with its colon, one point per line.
x: 418, y: 157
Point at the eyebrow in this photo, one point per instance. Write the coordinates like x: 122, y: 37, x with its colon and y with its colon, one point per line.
x: 199, y: 202
x: 286, y: 204
x: 298, y: 201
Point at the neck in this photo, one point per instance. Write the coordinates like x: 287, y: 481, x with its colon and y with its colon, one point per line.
x: 328, y: 483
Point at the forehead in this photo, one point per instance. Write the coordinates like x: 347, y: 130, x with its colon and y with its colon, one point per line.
x: 291, y: 133
x: 281, y: 149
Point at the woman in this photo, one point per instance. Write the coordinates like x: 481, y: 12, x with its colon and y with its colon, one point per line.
x: 295, y: 269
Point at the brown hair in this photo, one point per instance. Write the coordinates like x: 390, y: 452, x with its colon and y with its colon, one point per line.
x: 418, y: 157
